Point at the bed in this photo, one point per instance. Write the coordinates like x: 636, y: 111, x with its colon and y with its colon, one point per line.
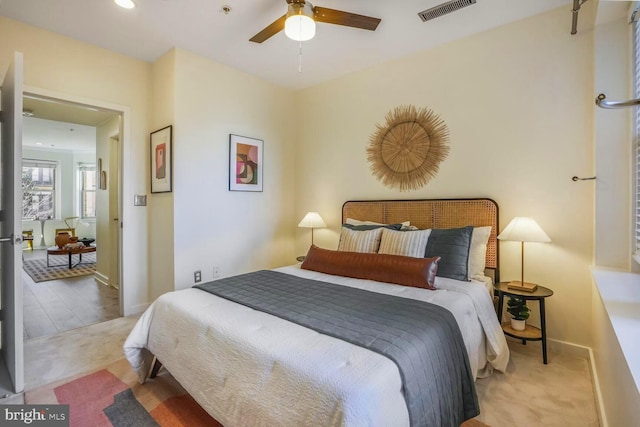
x: 250, y: 368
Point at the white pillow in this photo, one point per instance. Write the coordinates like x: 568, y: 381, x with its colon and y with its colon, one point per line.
x: 406, y: 243
x: 358, y: 222
x: 478, y: 252
x: 364, y: 241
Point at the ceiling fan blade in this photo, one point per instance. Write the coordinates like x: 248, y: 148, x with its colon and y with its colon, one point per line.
x: 332, y: 16
x: 271, y: 30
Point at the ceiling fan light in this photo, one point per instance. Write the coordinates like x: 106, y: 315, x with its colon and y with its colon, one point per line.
x: 127, y: 4
x: 299, y: 25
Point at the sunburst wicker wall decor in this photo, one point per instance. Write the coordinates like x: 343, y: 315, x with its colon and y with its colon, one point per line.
x: 406, y: 151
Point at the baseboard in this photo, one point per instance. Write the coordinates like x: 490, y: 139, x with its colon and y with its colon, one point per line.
x: 597, y: 391
x: 583, y: 352
x: 101, y: 278
x: 570, y: 349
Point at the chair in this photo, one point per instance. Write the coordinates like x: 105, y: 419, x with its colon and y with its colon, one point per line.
x: 71, y: 222
x: 27, y: 237
x: 71, y: 231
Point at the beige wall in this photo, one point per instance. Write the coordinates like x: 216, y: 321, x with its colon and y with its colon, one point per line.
x: 519, y: 105
x: 612, y: 145
x: 65, y: 68
x: 236, y: 231
x: 161, y: 217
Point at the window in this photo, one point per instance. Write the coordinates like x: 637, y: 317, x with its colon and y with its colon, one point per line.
x: 38, y: 189
x: 87, y: 180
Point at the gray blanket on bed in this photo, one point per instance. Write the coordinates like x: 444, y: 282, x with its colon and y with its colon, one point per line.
x: 423, y: 339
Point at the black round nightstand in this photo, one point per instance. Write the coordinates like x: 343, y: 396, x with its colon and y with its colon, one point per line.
x: 530, y: 333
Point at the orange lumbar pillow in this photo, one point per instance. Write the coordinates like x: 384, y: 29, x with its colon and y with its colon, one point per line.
x: 402, y: 270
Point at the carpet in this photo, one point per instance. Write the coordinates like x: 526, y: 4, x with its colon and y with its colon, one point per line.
x: 113, y: 397
x: 37, y: 268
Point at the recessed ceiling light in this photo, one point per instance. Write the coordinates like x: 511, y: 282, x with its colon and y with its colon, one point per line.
x: 127, y: 4
x: 38, y: 143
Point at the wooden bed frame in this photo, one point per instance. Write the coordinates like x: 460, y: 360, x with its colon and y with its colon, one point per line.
x: 425, y: 213
x: 434, y: 213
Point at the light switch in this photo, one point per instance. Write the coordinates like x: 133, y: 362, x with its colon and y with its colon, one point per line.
x: 140, y: 200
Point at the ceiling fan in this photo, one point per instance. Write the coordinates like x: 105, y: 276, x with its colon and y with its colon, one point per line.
x: 299, y: 21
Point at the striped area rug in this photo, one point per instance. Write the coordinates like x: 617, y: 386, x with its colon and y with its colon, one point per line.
x: 37, y: 268
x: 113, y: 397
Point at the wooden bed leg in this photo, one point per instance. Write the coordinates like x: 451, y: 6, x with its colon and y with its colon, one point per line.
x: 155, y: 368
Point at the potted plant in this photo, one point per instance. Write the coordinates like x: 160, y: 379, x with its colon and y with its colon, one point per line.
x: 517, y: 308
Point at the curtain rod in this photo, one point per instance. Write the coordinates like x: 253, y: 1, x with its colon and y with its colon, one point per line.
x: 600, y: 102
x: 574, y: 19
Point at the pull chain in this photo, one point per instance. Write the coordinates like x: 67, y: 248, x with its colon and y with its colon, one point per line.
x: 300, y: 58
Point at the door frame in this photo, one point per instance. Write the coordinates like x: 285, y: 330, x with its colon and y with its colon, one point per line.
x: 125, y: 129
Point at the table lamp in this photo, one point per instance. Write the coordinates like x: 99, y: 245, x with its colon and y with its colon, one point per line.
x: 523, y: 229
x: 312, y: 220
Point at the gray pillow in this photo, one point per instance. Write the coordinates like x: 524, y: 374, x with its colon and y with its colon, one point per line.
x: 366, y: 227
x: 452, y: 245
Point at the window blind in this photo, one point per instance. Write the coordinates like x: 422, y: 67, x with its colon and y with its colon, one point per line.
x: 33, y: 163
x: 86, y: 166
x: 636, y: 137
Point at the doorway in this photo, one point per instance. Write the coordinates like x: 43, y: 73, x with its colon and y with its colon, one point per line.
x: 81, y: 144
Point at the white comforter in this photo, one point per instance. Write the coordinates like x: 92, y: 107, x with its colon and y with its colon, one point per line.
x: 248, y: 368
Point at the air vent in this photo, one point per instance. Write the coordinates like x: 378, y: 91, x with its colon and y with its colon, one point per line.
x: 444, y: 8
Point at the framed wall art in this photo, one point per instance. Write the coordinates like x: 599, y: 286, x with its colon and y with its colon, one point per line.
x: 245, y: 163
x: 161, y: 161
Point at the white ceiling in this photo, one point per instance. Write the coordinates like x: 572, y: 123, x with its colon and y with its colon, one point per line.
x: 200, y: 26
x: 51, y: 135
x: 58, y: 126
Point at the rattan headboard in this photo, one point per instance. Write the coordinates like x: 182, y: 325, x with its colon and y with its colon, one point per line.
x: 432, y: 213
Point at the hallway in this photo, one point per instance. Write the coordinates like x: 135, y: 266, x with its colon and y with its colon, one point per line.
x: 57, y: 306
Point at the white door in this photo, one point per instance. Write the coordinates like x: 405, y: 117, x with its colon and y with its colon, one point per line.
x: 11, y: 228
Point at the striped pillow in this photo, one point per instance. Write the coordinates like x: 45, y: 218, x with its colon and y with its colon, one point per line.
x: 406, y: 243
x: 365, y: 241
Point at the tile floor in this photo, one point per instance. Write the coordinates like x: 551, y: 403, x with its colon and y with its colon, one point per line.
x: 56, y: 306
x: 80, y: 350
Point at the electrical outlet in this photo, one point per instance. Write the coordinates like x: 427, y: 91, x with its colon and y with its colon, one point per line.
x: 197, y: 276
x: 216, y: 271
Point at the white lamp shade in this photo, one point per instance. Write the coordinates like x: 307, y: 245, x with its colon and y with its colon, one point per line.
x: 299, y: 25
x: 312, y: 220
x: 523, y: 229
